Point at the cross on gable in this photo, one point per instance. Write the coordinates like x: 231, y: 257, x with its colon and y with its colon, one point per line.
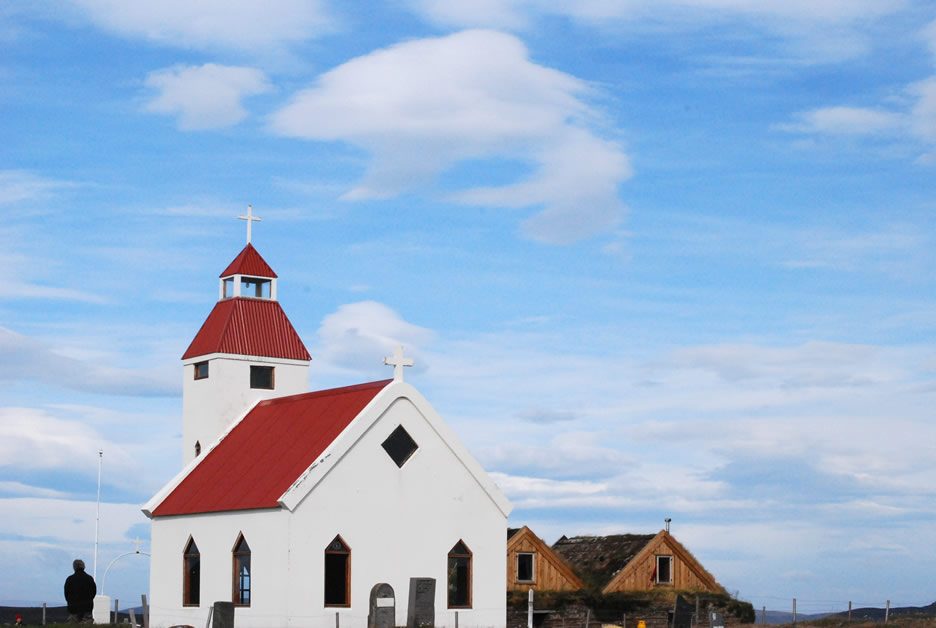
x: 397, y: 361
x: 250, y: 218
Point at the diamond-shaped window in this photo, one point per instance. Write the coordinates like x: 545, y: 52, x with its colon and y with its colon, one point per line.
x: 400, y: 446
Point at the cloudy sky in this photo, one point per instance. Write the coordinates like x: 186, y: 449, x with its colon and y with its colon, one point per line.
x: 668, y: 258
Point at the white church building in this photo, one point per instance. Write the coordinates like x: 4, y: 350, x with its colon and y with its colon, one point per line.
x: 294, y: 505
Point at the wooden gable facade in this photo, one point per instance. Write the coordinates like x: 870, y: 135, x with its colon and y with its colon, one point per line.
x: 531, y: 564
x: 635, y: 562
x: 663, y: 562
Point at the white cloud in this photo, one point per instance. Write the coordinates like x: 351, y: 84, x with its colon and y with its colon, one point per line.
x: 207, y: 96
x: 33, y: 440
x: 828, y: 31
x: 421, y: 107
x: 25, y: 359
x: 847, y: 121
x: 17, y: 186
x: 249, y: 25
x: 359, y: 335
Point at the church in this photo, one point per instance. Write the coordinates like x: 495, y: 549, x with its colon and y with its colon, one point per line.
x: 315, y: 508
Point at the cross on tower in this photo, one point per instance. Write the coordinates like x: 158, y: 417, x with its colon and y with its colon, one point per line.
x: 137, y: 543
x: 250, y: 218
x: 397, y: 361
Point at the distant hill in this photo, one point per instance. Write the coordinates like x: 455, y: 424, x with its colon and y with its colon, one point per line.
x: 873, y: 614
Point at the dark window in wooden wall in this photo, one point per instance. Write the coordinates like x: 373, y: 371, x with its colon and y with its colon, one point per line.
x: 525, y: 567
x: 338, y: 573
x: 664, y: 569
x: 191, y: 574
x: 459, y: 576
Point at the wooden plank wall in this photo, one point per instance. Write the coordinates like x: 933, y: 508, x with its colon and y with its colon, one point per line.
x: 546, y: 576
x: 641, y: 579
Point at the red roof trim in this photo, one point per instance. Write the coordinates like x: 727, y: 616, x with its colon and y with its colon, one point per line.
x: 245, y: 326
x: 249, y: 262
x: 264, y: 454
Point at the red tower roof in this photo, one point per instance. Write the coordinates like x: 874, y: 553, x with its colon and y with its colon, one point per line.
x: 248, y: 327
x: 267, y: 451
x: 249, y: 262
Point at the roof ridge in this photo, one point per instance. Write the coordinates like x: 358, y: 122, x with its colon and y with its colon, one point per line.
x: 327, y: 392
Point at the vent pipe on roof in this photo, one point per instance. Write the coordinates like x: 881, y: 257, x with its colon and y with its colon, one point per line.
x: 667, y: 522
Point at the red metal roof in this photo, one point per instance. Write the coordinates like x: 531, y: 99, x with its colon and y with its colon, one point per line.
x: 267, y: 451
x: 248, y: 327
x: 249, y: 262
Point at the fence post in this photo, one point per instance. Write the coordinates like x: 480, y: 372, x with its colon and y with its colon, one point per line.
x: 116, y: 620
x: 849, y: 610
x: 530, y: 608
x: 132, y: 617
x: 43, y: 613
x: 587, y: 617
x: 887, y: 611
x: 794, y: 611
x: 763, y: 615
x: 145, y: 611
x: 336, y: 619
x: 456, y: 619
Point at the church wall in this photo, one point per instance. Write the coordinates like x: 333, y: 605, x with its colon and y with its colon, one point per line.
x: 209, y: 406
x: 400, y: 523
x: 215, y: 536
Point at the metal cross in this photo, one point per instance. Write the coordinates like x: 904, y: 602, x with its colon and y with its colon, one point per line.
x: 137, y: 543
x: 397, y: 361
x: 250, y: 218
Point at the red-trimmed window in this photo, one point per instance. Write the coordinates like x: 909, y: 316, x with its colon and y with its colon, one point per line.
x: 191, y: 574
x: 241, y: 572
x: 459, y: 576
x: 338, y: 573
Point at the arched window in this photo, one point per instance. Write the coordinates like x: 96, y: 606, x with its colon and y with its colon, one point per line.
x: 197, y: 449
x: 459, y: 576
x: 191, y: 574
x: 338, y: 573
x: 241, y: 572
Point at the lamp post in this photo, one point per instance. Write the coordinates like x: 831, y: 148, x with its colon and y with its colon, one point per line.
x: 97, y: 517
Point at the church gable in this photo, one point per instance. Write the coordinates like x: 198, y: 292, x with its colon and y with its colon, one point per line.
x: 264, y: 454
x: 531, y: 564
x: 397, y: 395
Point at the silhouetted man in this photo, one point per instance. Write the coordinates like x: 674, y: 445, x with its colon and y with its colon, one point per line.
x: 79, y: 594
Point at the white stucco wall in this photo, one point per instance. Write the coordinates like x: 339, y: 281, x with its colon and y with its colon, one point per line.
x: 399, y: 523
x: 210, y: 405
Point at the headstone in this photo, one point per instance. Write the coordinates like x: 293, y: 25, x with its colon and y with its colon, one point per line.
x: 382, y: 607
x: 683, y: 611
x: 101, y: 612
x: 222, y: 615
x: 718, y: 621
x: 421, y: 610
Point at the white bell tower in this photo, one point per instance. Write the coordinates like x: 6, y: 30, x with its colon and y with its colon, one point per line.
x: 245, y: 351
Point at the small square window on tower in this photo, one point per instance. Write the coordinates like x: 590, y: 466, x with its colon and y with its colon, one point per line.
x: 201, y: 370
x: 400, y: 446
x: 261, y: 377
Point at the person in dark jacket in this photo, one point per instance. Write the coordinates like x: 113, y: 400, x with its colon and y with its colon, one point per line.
x: 79, y: 594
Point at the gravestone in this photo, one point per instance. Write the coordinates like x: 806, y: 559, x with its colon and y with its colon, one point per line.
x: 222, y: 615
x: 718, y: 620
x: 382, y: 607
x: 421, y: 610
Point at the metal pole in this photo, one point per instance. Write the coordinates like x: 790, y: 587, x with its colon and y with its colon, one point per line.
x: 530, y: 608
x: 587, y: 617
x: 794, y: 611
x: 97, y: 517
x: 43, y: 613
x: 887, y: 611
x: 336, y: 612
x: 763, y: 615
x: 849, y: 610
x: 116, y: 607
x: 456, y: 619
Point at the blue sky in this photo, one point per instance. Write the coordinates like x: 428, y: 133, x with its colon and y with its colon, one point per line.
x: 653, y: 259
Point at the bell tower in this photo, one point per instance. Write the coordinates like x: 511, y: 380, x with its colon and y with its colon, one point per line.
x: 245, y: 351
